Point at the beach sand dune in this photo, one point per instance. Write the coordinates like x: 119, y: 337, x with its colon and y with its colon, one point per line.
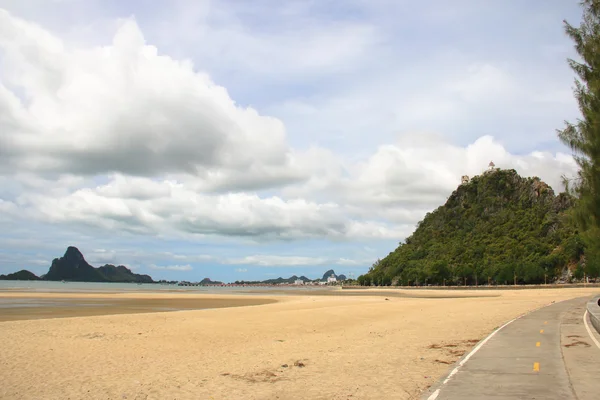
x: 301, y: 347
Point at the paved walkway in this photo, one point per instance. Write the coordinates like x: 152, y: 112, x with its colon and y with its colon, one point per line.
x: 547, y: 354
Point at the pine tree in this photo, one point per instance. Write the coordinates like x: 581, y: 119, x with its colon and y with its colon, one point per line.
x: 583, y: 137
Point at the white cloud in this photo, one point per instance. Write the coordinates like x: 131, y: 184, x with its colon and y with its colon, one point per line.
x: 458, y: 95
x: 401, y: 182
x: 126, y: 108
x: 188, y: 258
x: 7, y: 209
x: 241, y: 270
x: 143, y: 205
x: 381, y: 197
x: 484, y: 82
x: 102, y: 256
x: 292, y: 42
x: 277, y: 261
x: 171, y: 267
x: 270, y: 260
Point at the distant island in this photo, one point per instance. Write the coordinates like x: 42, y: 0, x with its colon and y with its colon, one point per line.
x: 496, y: 228
x: 22, y: 275
x: 203, y: 282
x: 73, y: 267
x: 328, y: 277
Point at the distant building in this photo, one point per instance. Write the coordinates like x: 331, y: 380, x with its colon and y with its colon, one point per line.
x: 332, y: 279
x: 464, y: 179
x: 492, y: 166
x: 298, y: 282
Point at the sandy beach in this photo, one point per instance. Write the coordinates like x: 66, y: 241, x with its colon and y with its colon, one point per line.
x: 383, y: 345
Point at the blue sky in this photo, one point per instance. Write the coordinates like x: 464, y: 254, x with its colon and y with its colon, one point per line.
x: 238, y: 140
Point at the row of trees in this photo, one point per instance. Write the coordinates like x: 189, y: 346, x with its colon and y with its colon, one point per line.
x: 440, y: 273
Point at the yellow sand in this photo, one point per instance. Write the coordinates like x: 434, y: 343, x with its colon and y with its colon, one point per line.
x: 352, y: 347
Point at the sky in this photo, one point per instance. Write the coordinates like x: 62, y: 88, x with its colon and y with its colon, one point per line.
x: 242, y: 140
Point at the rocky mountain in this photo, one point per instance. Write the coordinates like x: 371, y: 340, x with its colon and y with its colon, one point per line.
x: 294, y: 278
x: 122, y: 274
x: 291, y: 279
x: 278, y: 281
x: 73, y: 267
x: 497, y: 227
x: 22, y: 275
x: 207, y: 281
x: 332, y: 272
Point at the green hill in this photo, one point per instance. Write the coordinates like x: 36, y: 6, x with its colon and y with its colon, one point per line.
x: 207, y: 281
x: 496, y: 228
x: 22, y: 275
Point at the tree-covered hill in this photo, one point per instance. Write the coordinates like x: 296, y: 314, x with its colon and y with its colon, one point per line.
x: 22, y: 275
x: 497, y: 228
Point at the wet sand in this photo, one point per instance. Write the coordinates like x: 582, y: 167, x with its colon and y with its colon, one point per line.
x: 35, y: 307
x: 312, y: 347
x: 24, y: 305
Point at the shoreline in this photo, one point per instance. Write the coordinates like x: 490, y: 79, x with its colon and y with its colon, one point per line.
x: 16, y: 305
x: 25, y: 306
x: 480, y: 287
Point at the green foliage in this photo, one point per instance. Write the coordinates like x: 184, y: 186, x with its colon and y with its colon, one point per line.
x: 22, y: 275
x: 583, y: 137
x: 498, y: 228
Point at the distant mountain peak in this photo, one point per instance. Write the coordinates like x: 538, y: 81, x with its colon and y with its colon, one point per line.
x: 73, y: 253
x: 73, y: 267
x: 328, y: 274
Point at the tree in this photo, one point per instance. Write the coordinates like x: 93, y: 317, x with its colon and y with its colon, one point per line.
x: 364, y: 280
x: 583, y: 137
x: 438, y: 272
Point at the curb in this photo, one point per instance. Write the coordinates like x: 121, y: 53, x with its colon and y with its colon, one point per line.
x: 593, y: 308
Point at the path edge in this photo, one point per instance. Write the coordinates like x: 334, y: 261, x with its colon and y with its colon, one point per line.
x: 593, y: 309
x: 433, y: 392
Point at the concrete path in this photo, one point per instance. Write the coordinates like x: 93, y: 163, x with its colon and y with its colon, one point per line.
x: 547, y: 354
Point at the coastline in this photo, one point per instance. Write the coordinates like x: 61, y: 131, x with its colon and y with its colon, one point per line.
x: 18, y: 304
x: 27, y: 306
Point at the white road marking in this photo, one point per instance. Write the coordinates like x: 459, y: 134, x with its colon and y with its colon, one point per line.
x: 589, y: 331
x: 436, y: 393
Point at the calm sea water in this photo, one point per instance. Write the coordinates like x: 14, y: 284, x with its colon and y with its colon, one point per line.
x: 93, y: 287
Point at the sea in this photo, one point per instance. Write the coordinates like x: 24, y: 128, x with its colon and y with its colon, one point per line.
x: 109, y: 287
x: 105, y: 288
